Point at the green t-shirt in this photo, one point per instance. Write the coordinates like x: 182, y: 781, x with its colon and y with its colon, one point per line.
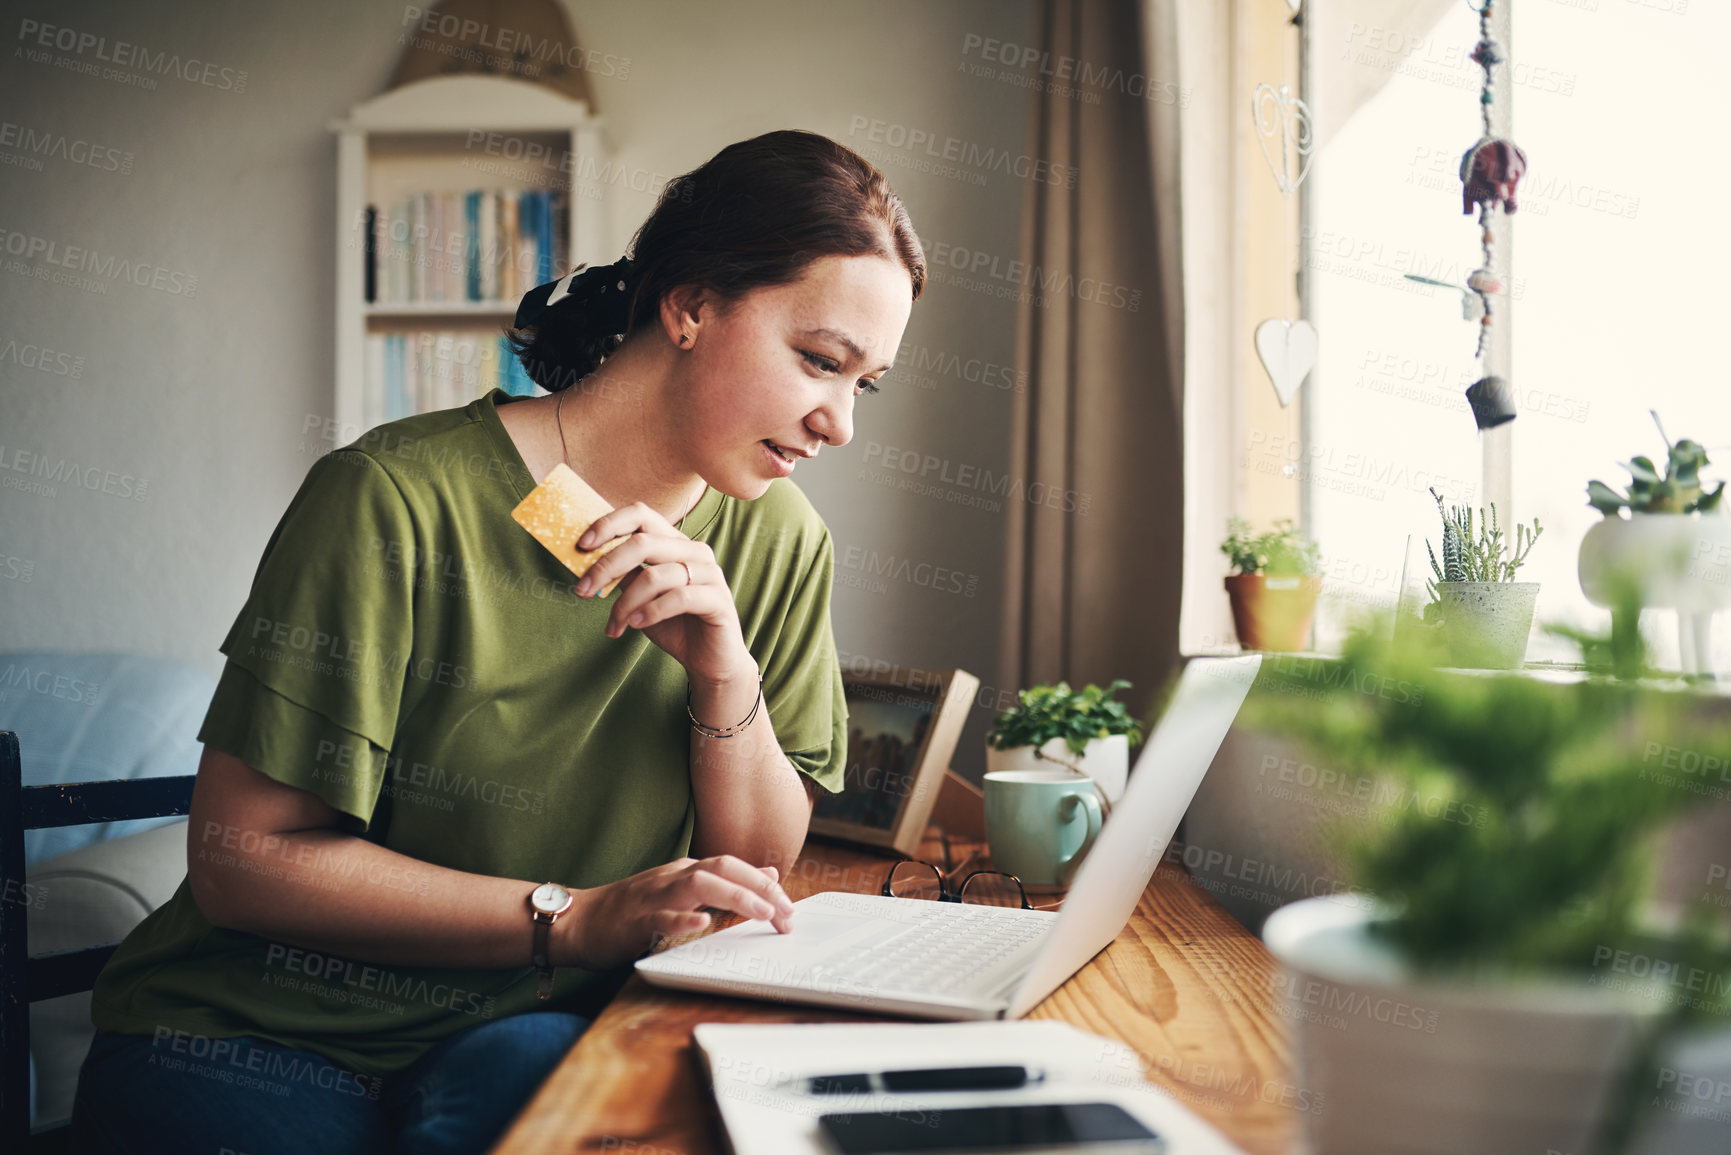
x: 413, y: 657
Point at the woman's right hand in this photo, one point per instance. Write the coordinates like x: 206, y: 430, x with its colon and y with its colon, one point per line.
x: 611, y: 925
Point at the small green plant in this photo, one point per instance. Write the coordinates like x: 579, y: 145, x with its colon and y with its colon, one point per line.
x: 1677, y: 491
x: 1515, y: 824
x: 1515, y: 821
x: 1077, y: 716
x: 1469, y: 558
x: 1281, y: 552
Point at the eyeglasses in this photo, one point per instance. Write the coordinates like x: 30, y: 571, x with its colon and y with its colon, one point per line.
x: 913, y: 878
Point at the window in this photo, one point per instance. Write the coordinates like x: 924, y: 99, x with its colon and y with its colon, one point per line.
x: 1388, y: 416
x: 1615, y: 306
x: 1622, y: 248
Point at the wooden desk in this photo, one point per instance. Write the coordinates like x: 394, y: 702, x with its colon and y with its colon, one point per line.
x: 1184, y: 984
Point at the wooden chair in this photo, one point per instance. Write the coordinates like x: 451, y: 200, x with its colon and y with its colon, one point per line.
x: 25, y: 979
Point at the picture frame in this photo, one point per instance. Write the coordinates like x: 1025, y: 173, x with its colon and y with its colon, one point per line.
x: 902, y: 733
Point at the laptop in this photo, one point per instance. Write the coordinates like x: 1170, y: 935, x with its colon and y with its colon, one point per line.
x: 953, y: 961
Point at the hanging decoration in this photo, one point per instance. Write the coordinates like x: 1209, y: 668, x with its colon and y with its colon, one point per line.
x: 1490, y: 170
x: 1286, y: 347
x: 1288, y: 352
x: 443, y: 41
x: 1283, y: 132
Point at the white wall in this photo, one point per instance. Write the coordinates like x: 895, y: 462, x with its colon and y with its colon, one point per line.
x: 193, y: 415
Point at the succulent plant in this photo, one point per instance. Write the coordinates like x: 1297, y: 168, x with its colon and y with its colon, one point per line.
x: 1468, y: 558
x: 1678, y: 490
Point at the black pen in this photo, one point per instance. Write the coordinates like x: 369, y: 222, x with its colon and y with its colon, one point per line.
x: 927, y: 1079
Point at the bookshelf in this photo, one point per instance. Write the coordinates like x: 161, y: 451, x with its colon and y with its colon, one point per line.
x: 437, y: 160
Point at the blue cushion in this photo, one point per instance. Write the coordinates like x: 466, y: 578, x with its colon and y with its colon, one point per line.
x: 83, y: 717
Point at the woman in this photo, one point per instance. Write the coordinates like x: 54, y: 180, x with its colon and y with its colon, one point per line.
x: 421, y: 721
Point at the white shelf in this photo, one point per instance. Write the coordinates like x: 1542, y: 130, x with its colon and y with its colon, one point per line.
x: 441, y: 309
x: 462, y: 103
x: 449, y: 133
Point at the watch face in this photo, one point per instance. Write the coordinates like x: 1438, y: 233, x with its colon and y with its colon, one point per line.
x: 550, y: 898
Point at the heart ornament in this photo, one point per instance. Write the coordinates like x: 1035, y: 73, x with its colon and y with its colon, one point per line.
x: 1288, y: 352
x: 1283, y: 132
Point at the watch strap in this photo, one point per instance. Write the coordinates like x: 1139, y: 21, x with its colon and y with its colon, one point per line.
x: 541, y: 947
x: 540, y: 953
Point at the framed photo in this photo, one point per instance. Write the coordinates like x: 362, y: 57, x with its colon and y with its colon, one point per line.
x: 901, y: 735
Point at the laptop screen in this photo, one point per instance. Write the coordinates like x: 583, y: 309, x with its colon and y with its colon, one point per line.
x: 1112, y: 878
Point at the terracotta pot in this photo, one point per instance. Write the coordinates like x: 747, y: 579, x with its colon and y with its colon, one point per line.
x: 1272, y: 613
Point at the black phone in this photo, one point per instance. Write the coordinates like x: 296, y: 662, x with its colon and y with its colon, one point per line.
x: 1105, y: 1127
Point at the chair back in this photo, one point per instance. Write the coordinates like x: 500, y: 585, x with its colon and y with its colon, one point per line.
x: 25, y: 979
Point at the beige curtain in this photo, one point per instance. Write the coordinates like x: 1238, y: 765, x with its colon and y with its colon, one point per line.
x: 1341, y: 28
x: 1093, y: 592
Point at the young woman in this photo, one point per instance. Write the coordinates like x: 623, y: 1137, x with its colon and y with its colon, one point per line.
x: 446, y: 797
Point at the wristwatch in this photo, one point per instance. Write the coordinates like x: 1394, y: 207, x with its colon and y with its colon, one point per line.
x: 546, y: 903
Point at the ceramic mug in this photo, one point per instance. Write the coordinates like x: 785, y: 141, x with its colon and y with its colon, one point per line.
x: 1040, y: 824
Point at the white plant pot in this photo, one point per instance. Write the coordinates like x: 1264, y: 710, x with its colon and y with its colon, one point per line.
x: 1678, y: 561
x: 1407, y: 1067
x: 1105, y: 760
x: 1690, y: 1112
x: 1486, y: 623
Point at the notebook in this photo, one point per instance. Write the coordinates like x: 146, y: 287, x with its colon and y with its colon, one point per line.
x: 759, y: 1076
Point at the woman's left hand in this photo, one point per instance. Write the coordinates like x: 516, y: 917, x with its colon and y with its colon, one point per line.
x: 673, y: 590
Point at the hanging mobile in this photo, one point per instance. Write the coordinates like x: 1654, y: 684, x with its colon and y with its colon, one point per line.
x: 1490, y: 170
x: 1287, y: 348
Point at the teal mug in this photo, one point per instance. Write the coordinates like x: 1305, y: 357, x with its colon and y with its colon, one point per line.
x: 1040, y: 824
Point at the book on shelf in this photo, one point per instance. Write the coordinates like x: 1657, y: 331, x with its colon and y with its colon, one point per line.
x: 421, y: 230
x: 371, y: 260
x: 511, y: 286
x: 424, y: 370
x: 472, y: 255
x: 489, y: 268
x: 481, y: 245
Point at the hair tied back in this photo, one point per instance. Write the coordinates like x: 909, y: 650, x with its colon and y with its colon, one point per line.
x: 604, y: 288
x: 753, y: 216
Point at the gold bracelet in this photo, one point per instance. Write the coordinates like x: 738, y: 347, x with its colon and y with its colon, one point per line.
x: 730, y: 731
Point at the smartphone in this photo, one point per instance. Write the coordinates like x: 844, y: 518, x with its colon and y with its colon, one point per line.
x: 1025, y: 1128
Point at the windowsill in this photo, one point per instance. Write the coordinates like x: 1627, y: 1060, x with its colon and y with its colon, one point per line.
x: 1557, y: 673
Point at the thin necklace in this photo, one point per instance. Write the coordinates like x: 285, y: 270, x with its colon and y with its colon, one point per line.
x: 564, y: 453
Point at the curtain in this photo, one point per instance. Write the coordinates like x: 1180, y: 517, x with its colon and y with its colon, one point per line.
x: 1388, y: 28
x: 1093, y: 590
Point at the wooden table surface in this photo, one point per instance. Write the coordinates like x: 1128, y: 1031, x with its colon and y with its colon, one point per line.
x: 1184, y: 984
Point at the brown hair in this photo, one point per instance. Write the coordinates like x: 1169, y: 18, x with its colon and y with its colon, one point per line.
x: 755, y: 215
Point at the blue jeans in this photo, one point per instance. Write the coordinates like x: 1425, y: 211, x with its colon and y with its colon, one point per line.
x: 249, y: 1096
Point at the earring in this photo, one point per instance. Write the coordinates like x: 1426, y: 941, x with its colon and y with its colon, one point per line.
x: 684, y: 340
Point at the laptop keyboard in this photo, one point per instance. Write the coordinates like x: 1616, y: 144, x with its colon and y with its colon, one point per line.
x: 938, y: 954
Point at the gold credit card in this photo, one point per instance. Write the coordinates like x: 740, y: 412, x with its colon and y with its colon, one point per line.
x: 557, y: 513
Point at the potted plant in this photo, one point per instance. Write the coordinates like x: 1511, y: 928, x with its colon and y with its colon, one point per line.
x: 1273, y: 586
x: 1499, y: 981
x: 1485, y: 613
x: 1670, y: 555
x: 1088, y: 731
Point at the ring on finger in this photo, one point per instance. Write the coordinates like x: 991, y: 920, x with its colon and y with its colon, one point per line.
x: 687, y: 572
